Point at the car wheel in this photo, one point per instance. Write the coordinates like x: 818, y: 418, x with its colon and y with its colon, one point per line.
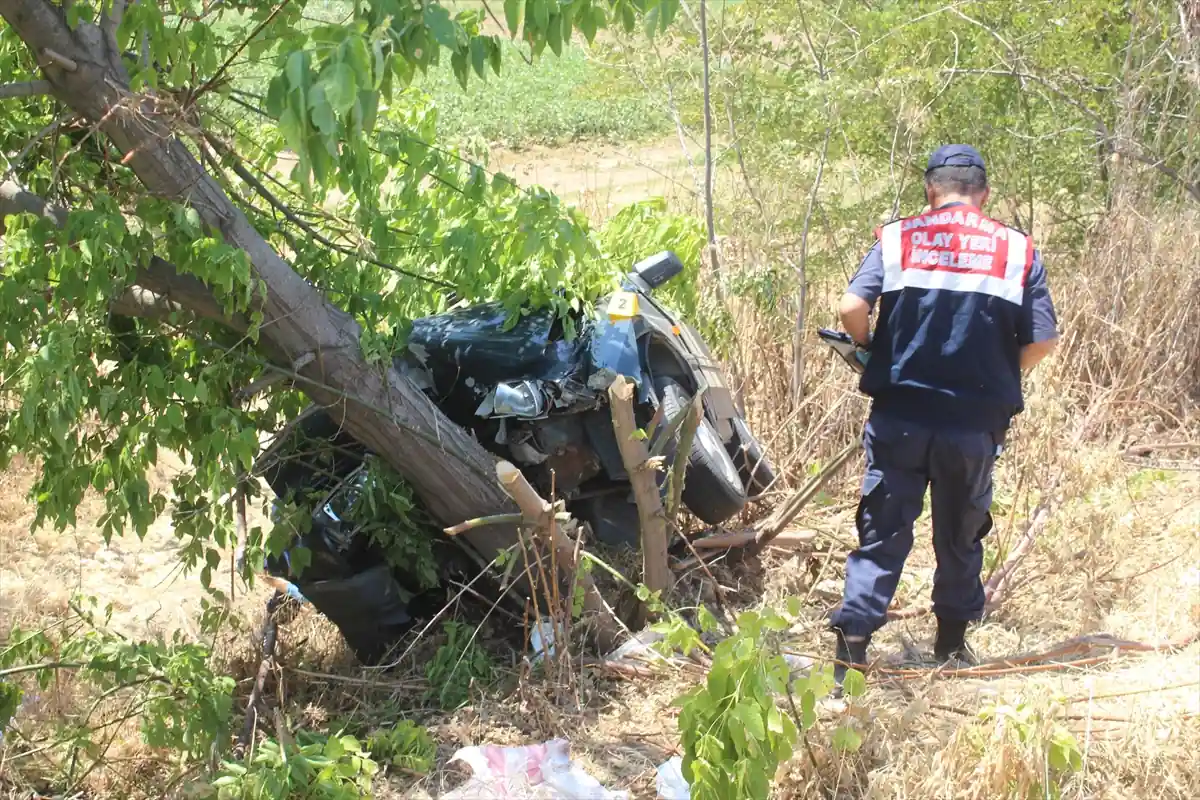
x: 750, y: 458
x: 713, y: 489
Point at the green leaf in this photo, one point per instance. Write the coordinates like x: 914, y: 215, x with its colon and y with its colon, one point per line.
x: 1063, y: 753
x: 513, y: 9
x: 322, y: 113
x: 854, y: 684
x: 588, y: 24
x: 554, y: 39
x: 650, y: 22
x: 340, y: 87
x: 360, y: 59
x: 276, y: 96
x: 334, y: 748
x: 628, y: 19
x: 540, y: 13
x: 479, y: 55
x: 808, y: 710
x: 752, y: 718
x: 775, y: 721
x: 10, y: 701
x: 297, y: 70
x: 668, y: 10
x: 458, y: 64
x: 494, y: 55
x: 298, y: 559
x: 444, y: 30
x: 846, y: 740
x: 184, y: 388
x: 820, y: 681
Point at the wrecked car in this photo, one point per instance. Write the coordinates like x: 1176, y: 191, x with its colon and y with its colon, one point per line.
x: 538, y: 397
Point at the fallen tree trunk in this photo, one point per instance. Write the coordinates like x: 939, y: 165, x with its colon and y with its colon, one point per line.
x: 450, y: 472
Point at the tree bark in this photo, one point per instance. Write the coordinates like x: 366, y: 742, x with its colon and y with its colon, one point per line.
x: 450, y: 472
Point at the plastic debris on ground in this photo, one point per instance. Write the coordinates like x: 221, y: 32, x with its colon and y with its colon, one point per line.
x: 639, y: 645
x: 670, y: 783
x: 798, y: 663
x: 541, y: 639
x: 534, y: 772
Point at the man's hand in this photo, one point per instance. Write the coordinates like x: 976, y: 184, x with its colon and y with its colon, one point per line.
x: 1032, y: 354
x: 856, y: 318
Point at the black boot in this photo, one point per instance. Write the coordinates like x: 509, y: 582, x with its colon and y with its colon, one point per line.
x: 849, y: 654
x: 951, y: 644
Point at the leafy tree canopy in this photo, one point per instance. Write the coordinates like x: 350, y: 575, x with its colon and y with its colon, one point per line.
x: 368, y: 207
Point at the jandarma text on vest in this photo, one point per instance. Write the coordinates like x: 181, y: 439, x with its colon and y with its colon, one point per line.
x: 970, y: 219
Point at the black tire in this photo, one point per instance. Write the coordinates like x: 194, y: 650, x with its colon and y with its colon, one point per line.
x: 713, y: 489
x: 750, y: 458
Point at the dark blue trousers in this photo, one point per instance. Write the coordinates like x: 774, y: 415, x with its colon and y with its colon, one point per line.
x: 903, y: 459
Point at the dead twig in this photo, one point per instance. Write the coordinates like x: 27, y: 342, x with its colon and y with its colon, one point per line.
x: 58, y: 59
x: 776, y: 523
x: 687, y: 436
x: 270, y: 636
x: 1147, y: 449
x: 495, y: 519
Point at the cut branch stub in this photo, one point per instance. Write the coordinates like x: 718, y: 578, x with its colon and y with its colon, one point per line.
x: 656, y: 571
x: 540, y: 515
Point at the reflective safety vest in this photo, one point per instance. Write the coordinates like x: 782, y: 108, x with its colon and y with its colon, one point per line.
x: 945, y: 350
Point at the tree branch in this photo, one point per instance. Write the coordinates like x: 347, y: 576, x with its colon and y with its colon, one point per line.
x: 54, y: 125
x: 14, y: 199
x: 708, y: 157
x: 24, y: 89
x: 141, y: 302
x: 1104, y: 135
x: 211, y: 82
x: 262, y: 191
x: 163, y: 288
x: 58, y: 59
x: 110, y: 20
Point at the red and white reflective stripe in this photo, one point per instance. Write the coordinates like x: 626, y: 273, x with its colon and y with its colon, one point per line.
x: 932, y: 253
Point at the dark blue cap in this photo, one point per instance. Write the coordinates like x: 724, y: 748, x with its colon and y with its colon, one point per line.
x: 955, y: 155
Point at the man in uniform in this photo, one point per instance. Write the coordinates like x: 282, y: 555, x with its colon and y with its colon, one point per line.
x: 963, y: 310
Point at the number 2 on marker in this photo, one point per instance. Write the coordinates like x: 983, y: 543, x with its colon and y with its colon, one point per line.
x: 624, y: 305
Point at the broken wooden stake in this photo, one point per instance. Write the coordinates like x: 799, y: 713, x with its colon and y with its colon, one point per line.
x: 540, y: 516
x: 656, y: 572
